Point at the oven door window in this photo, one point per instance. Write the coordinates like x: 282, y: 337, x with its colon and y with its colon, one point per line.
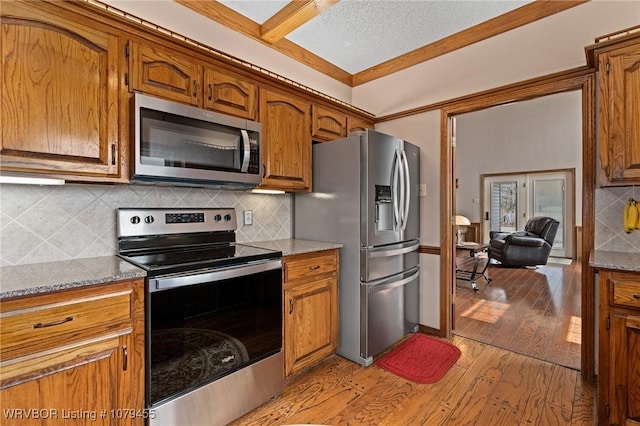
x: 203, y: 332
x: 173, y: 141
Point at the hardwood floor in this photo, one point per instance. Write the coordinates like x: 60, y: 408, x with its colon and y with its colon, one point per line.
x: 486, y: 386
x: 535, y: 312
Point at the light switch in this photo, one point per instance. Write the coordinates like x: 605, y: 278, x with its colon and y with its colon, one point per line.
x: 248, y: 217
x: 422, y: 190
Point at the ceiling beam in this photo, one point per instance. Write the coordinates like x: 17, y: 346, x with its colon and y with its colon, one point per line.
x: 524, y: 15
x: 237, y: 22
x: 291, y: 17
x: 508, y: 21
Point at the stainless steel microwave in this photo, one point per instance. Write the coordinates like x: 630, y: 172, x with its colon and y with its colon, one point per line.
x: 178, y: 144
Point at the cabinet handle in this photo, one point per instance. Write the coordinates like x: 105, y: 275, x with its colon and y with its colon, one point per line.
x: 607, y: 170
x: 313, y: 268
x: 195, y: 88
x: 210, y: 91
x: 50, y: 324
x: 636, y: 296
x: 290, y: 305
x: 125, y: 358
x: 113, y: 154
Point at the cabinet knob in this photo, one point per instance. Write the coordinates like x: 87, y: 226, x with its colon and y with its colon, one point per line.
x: 636, y: 296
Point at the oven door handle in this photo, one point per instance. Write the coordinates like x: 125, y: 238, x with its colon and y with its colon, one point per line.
x: 186, y: 279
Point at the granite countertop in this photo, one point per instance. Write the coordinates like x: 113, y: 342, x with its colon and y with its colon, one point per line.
x: 620, y: 261
x: 293, y: 246
x: 36, y: 278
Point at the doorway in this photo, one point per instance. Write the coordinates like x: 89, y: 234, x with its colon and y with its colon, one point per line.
x: 510, y: 200
x: 580, y: 80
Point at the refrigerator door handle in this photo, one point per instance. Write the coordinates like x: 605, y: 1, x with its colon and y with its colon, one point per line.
x: 403, y: 189
x: 378, y: 286
x: 393, y: 252
x: 395, y: 177
x: 407, y: 188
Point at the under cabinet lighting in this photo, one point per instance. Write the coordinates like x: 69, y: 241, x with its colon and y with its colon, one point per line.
x: 30, y: 180
x: 266, y: 191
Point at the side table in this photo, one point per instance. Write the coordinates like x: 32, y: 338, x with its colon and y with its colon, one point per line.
x: 475, y: 250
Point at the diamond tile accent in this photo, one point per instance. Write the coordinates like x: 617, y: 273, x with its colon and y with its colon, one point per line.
x: 41, y: 223
x: 609, y: 234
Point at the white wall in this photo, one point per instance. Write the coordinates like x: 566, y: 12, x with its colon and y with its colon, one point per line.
x: 550, y: 45
x: 539, y: 134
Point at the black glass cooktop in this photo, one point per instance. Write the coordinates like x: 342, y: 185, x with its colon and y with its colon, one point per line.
x: 188, y: 258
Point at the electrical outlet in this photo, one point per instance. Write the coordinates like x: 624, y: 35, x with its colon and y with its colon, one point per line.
x: 422, y: 190
x: 248, y: 217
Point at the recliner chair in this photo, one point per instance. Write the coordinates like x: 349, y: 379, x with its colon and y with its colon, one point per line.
x: 530, y: 247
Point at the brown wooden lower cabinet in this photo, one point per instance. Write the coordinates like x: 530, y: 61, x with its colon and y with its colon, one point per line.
x: 619, y: 349
x: 310, y: 308
x: 74, y: 357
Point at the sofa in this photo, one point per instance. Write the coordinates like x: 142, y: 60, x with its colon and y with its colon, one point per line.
x: 530, y: 247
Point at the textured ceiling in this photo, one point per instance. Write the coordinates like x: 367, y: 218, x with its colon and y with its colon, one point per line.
x: 358, y: 34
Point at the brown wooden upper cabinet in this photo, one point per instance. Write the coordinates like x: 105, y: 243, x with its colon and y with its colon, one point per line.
x: 162, y: 72
x: 226, y: 93
x: 355, y: 124
x: 327, y: 124
x: 165, y: 73
x: 619, y: 109
x: 60, y: 95
x: 286, y: 142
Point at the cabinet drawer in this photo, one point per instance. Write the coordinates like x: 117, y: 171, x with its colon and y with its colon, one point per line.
x: 56, y: 321
x: 626, y: 293
x: 304, y: 266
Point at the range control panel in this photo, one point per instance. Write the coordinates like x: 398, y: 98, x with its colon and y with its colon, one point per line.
x: 134, y: 222
x: 184, y: 217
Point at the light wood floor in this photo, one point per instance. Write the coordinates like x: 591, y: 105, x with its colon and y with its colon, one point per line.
x: 486, y: 386
x: 536, y: 312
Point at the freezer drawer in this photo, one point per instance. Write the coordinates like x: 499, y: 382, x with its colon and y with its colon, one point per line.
x: 390, y: 312
x: 384, y: 261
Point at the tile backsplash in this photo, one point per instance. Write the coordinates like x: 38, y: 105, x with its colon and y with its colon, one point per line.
x: 609, y: 233
x: 47, y: 223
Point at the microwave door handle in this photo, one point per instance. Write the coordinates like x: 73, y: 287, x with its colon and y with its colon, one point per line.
x: 245, y: 151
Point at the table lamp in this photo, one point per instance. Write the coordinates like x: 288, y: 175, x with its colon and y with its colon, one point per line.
x: 460, y: 221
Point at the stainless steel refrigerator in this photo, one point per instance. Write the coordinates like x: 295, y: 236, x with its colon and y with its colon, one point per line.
x: 365, y: 196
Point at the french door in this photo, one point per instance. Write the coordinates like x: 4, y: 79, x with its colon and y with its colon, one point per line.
x: 510, y: 200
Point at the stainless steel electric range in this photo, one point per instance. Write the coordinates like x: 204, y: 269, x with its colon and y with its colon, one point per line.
x: 213, y: 308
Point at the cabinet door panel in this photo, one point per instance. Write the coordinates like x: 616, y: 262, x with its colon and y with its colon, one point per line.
x: 357, y: 125
x: 59, y: 95
x: 633, y: 368
x: 328, y: 124
x: 165, y: 74
x: 310, y: 333
x: 80, y: 382
x: 620, y: 109
x: 228, y: 94
x: 286, y: 142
